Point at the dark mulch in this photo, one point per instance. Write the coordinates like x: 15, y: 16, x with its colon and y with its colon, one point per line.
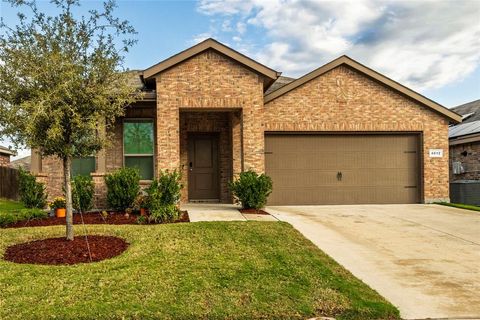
x: 253, y: 211
x: 88, y: 218
x: 56, y: 251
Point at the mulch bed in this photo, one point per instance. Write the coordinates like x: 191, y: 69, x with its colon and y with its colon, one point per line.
x: 88, y: 218
x: 59, y: 251
x: 253, y: 211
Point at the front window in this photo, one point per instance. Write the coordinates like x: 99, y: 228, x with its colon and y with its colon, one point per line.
x: 83, y: 166
x: 138, y: 146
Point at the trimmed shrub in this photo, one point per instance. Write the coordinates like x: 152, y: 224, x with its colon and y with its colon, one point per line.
x: 123, y: 186
x: 83, y: 190
x: 21, y: 215
x: 163, y: 197
x: 32, y: 193
x: 167, y: 213
x: 251, y: 190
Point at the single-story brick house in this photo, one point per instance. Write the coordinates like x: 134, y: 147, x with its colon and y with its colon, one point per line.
x: 341, y: 134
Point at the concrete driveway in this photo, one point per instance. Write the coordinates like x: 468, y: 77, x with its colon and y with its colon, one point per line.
x: 425, y: 259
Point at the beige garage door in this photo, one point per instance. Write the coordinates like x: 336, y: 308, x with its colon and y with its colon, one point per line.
x: 343, y: 169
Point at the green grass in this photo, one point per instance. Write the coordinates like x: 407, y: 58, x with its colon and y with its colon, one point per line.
x: 461, y: 206
x: 10, y: 205
x: 13, y: 211
x: 207, y: 270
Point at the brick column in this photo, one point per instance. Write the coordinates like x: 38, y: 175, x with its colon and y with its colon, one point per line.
x: 98, y: 177
x: 253, y: 138
x: 168, y: 140
x: 236, y: 127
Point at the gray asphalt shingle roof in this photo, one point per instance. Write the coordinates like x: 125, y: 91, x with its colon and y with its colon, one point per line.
x: 280, y: 82
x: 472, y: 108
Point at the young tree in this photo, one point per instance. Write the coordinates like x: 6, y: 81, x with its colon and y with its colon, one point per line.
x: 62, y: 81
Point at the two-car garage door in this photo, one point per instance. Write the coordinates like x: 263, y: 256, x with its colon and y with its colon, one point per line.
x: 343, y: 168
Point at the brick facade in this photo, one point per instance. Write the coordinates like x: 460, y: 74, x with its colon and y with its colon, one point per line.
x: 4, y: 160
x: 468, y: 154
x: 209, y: 81
x: 345, y: 100
x: 51, y: 168
x: 210, y: 92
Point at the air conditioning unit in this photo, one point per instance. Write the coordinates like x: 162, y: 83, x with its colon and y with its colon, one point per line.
x: 458, y: 167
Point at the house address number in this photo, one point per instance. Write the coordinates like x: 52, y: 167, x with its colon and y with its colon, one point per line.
x: 435, y: 153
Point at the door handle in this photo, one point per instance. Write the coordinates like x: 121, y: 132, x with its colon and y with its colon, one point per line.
x: 339, y: 176
x: 190, y: 165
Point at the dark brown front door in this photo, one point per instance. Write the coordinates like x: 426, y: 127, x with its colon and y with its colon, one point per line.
x: 203, y: 183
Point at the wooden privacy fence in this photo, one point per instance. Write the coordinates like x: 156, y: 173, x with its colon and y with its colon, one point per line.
x: 9, y: 183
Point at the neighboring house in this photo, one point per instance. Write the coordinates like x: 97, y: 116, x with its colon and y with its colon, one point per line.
x: 5, y: 154
x: 341, y: 134
x: 464, y: 141
x: 23, y: 163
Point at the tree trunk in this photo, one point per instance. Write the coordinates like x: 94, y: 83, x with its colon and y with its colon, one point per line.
x: 68, y: 196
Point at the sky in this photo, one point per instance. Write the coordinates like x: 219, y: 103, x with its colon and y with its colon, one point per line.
x: 433, y: 47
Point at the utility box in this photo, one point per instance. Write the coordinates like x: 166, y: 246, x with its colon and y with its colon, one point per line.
x: 465, y: 191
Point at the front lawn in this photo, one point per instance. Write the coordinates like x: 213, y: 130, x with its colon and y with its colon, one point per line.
x: 13, y: 211
x: 10, y: 205
x: 214, y: 270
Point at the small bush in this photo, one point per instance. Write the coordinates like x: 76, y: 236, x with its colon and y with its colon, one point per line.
x: 166, y: 189
x: 167, y: 213
x: 163, y: 197
x: 123, y: 186
x: 32, y: 193
x: 83, y: 190
x: 21, y: 215
x: 251, y: 190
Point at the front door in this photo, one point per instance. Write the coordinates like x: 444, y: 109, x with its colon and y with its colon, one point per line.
x: 203, y: 183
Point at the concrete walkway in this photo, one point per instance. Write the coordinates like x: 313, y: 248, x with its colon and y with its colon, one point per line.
x: 425, y: 259
x: 221, y: 212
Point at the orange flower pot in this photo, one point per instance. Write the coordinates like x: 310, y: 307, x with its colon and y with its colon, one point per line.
x: 143, y: 211
x: 60, y: 212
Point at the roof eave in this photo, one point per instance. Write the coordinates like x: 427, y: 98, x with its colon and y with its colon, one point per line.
x: 7, y: 152
x: 469, y: 138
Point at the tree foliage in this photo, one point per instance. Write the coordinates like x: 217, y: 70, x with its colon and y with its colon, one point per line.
x: 62, y: 79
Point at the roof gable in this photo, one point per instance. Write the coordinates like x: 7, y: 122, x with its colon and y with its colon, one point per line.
x: 344, y: 60
x: 269, y: 75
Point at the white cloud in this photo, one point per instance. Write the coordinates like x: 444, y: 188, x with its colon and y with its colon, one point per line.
x: 241, y: 27
x: 423, y: 44
x: 200, y: 37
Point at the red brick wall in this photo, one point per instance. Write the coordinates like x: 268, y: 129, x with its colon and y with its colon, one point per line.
x: 345, y: 100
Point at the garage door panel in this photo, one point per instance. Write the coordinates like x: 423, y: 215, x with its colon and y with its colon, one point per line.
x: 307, y: 178
x: 374, y: 168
